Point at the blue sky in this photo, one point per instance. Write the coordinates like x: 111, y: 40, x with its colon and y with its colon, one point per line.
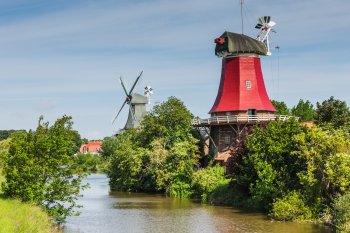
x: 65, y: 57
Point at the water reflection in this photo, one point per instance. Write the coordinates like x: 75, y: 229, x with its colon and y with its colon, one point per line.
x: 125, y: 212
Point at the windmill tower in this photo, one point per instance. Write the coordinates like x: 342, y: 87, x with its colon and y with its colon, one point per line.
x: 137, y: 104
x: 242, y: 100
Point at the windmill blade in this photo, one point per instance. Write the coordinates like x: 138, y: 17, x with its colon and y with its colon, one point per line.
x: 133, y: 86
x: 267, y: 19
x: 261, y: 20
x: 258, y: 26
x: 119, y: 112
x: 121, y: 81
x: 271, y: 24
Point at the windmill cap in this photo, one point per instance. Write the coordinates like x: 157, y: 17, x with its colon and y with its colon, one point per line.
x: 230, y: 43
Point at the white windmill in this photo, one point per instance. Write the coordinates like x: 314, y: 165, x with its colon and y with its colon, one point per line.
x: 137, y: 105
x: 265, y: 25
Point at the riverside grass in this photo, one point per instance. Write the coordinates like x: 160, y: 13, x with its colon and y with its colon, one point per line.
x: 19, y: 217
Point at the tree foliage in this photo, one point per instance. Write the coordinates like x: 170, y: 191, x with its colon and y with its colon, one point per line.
x: 293, y: 171
x: 281, y: 107
x: 4, y: 134
x: 108, y: 147
x: 290, y: 207
x: 327, y: 157
x: 126, y: 163
x: 268, y: 169
x: 160, y: 156
x: 41, y: 168
x: 4, y: 148
x: 304, y: 110
x: 341, y: 213
x: 206, y: 181
x: 332, y: 111
x: 170, y: 120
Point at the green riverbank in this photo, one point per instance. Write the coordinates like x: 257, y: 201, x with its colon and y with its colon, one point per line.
x: 19, y: 217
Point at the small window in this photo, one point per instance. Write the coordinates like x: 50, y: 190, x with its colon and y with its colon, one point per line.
x: 227, y: 139
x: 248, y: 84
x: 228, y: 113
x: 252, y: 112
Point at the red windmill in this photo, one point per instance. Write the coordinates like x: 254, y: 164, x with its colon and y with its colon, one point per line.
x: 242, y: 99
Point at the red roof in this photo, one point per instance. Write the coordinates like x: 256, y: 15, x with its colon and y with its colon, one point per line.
x: 233, y: 93
x: 91, y: 147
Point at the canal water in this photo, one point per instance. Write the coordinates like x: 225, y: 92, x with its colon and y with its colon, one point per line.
x: 107, y: 212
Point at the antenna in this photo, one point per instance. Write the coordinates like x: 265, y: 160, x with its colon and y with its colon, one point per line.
x: 265, y: 25
x: 278, y: 70
x: 242, y: 1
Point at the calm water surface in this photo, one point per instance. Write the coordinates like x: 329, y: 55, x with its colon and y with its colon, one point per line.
x: 106, y: 211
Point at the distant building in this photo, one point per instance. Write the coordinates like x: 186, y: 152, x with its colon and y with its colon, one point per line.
x: 92, y: 147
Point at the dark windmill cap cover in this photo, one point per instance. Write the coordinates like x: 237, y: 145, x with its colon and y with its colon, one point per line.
x: 235, y: 44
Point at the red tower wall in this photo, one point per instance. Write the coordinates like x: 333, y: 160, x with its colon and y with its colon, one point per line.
x: 233, y: 95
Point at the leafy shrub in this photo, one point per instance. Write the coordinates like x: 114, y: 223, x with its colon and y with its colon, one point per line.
x: 180, y: 189
x: 206, y: 181
x: 290, y: 207
x: 341, y: 213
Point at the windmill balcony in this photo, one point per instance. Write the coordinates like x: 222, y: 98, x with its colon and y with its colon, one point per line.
x: 240, y: 119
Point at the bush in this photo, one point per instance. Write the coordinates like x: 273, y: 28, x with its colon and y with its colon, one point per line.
x: 226, y: 194
x: 341, y: 213
x: 206, y: 181
x: 180, y: 189
x: 290, y: 207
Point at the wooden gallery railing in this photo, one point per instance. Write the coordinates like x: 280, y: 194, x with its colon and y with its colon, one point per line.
x: 238, y: 119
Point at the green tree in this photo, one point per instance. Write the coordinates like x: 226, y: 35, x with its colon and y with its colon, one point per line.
x: 304, y: 110
x: 175, y: 173
x: 159, y: 156
x: 126, y: 163
x: 4, y: 134
x: 170, y: 120
x: 41, y: 168
x: 281, y: 107
x: 332, y: 111
x: 108, y: 147
x: 268, y: 170
x: 4, y: 148
x: 327, y: 157
x: 77, y: 140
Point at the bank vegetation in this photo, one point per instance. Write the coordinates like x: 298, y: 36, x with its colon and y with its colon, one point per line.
x: 290, y: 171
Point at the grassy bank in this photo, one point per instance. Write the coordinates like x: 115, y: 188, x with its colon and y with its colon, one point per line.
x: 18, y: 217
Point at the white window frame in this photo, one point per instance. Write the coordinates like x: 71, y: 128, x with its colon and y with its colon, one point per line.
x: 248, y: 84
